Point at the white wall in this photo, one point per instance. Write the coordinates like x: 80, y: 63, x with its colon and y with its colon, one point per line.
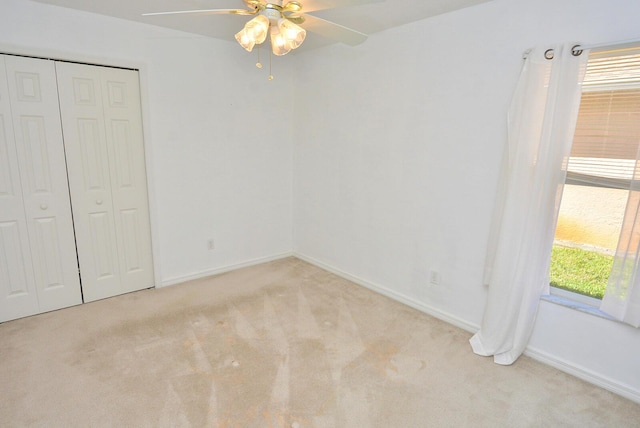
x: 217, y: 132
x: 398, y: 145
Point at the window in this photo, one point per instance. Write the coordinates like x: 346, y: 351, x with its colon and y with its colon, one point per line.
x: 599, y: 173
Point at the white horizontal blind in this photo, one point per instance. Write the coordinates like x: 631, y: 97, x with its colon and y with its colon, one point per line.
x: 607, y: 136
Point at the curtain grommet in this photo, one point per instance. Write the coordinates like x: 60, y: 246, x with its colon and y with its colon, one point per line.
x: 575, y: 51
x: 548, y: 54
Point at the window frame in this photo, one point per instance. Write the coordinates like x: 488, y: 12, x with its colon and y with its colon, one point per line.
x: 574, y: 296
x: 611, y: 183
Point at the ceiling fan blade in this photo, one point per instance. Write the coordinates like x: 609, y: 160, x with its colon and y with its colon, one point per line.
x: 333, y: 31
x: 204, y: 12
x: 313, y: 5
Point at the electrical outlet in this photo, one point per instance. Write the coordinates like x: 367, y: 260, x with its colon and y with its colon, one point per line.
x: 434, y: 277
x: 211, y: 244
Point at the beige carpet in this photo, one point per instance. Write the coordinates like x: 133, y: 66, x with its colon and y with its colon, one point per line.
x: 283, y: 344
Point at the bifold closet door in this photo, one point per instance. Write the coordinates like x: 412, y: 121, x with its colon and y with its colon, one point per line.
x: 38, y: 265
x: 102, y: 125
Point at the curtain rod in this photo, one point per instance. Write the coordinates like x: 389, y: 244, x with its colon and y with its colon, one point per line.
x: 577, y: 50
x: 606, y: 46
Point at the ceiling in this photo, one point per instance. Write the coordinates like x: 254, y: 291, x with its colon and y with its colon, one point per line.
x: 368, y: 18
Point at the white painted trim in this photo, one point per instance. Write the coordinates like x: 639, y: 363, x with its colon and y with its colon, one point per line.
x: 150, y: 172
x: 61, y: 55
x: 585, y: 374
x: 399, y: 297
x: 538, y: 355
x: 222, y: 269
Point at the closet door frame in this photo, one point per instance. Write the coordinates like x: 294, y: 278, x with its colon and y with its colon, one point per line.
x: 141, y: 68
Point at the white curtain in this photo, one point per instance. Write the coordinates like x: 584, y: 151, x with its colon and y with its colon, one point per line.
x: 622, y: 296
x: 541, y: 122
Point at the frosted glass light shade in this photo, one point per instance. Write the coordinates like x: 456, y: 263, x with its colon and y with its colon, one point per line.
x: 293, y: 33
x: 258, y: 27
x: 279, y: 43
x: 253, y: 33
x: 245, y: 39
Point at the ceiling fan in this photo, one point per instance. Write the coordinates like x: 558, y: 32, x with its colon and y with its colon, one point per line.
x: 284, y: 23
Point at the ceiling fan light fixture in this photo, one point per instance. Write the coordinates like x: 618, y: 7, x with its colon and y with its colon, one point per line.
x: 279, y: 43
x: 253, y: 33
x: 294, y: 34
x: 259, y: 28
x: 245, y: 39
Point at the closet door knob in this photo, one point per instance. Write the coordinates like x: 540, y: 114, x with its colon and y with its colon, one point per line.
x: 43, y: 207
x: 99, y: 202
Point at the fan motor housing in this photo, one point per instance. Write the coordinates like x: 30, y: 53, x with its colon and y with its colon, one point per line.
x: 272, y: 13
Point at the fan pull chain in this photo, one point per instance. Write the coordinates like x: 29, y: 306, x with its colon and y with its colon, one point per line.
x: 270, y: 75
x: 259, y: 64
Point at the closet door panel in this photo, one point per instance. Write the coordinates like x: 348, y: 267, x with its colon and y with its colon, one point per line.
x: 89, y: 179
x: 7, y: 178
x: 18, y: 296
x: 41, y: 160
x: 121, y: 103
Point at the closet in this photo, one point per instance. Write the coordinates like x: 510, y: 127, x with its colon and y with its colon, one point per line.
x: 74, y: 216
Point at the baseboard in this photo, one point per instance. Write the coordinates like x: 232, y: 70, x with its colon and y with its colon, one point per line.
x: 399, y: 297
x: 585, y: 374
x: 538, y: 355
x: 222, y: 269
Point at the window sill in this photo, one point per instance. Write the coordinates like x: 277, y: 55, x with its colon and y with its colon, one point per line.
x: 578, y: 306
